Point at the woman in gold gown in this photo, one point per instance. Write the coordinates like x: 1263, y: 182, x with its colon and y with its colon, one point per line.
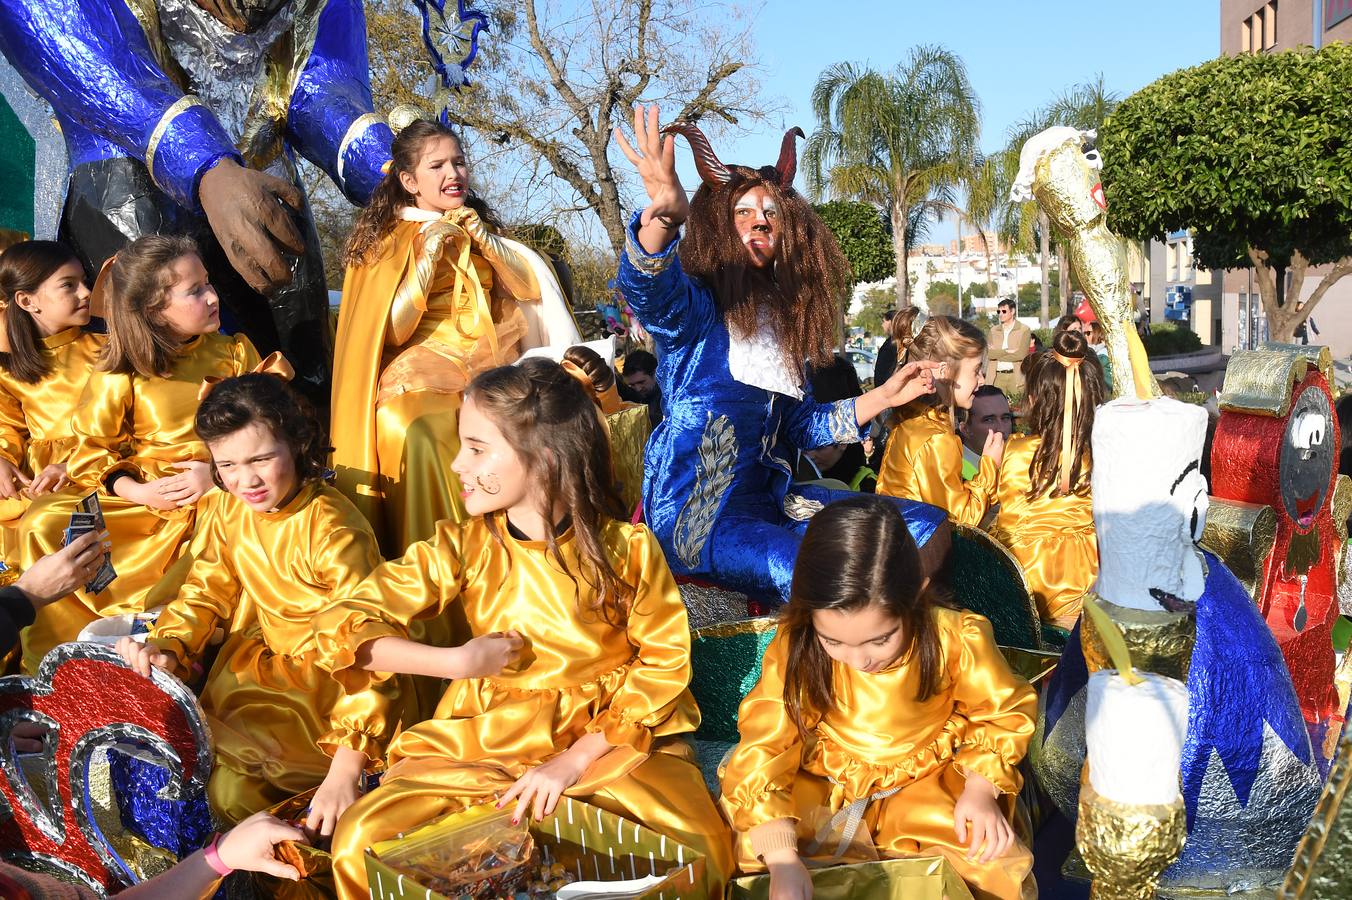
x: 1046, y: 516
x: 572, y: 678
x: 272, y: 554
x: 876, y: 706
x: 45, y: 360
x: 134, y: 440
x: 432, y: 297
x: 923, y: 459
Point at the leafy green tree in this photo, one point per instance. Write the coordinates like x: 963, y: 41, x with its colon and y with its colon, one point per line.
x: 1251, y: 153
x: 1030, y: 299
x: 903, y: 140
x: 877, y: 300
x: 862, y: 235
x: 981, y: 290
x: 942, y: 297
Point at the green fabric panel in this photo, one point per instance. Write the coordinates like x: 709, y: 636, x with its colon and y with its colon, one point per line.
x: 18, y: 154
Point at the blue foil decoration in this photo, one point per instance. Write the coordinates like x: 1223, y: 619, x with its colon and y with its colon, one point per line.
x: 1249, y: 776
x: 179, y: 826
x: 449, y: 48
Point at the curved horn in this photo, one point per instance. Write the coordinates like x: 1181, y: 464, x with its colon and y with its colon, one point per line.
x: 711, y: 171
x: 787, y: 167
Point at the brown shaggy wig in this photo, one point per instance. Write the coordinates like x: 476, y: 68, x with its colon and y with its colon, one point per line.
x: 855, y: 553
x: 1046, y: 405
x: 238, y: 402
x: 554, y: 426
x: 800, y: 292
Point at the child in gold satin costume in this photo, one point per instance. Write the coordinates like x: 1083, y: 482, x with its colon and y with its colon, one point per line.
x: 276, y: 551
x: 1046, y: 516
x: 45, y: 360
x: 133, y: 427
x: 923, y: 458
x: 433, y: 296
x: 574, y: 676
x: 879, y: 708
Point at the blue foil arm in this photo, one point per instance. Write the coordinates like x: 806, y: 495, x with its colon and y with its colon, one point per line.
x: 90, y: 60
x: 334, y: 92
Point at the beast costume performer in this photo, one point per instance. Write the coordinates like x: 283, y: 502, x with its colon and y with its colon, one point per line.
x: 152, y: 95
x: 732, y: 332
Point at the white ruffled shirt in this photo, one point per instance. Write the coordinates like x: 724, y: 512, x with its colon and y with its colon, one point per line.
x: 757, y: 361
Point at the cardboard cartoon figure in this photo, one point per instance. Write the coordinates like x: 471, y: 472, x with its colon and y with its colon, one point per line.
x: 1277, y: 446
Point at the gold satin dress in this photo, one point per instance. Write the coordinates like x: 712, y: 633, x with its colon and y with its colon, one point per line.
x: 877, y: 738
x: 35, y: 418
x: 923, y: 461
x: 577, y: 674
x: 142, y: 426
x: 1052, y: 537
x: 276, y: 715
x: 414, y: 328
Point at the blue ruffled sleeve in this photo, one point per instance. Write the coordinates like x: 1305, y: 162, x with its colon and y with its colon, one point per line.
x: 659, y: 292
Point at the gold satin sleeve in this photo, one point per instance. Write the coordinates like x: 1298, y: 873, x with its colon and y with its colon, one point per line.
x: 246, y: 355
x: 410, y: 299
x: 757, y: 781
x: 999, y: 707
x: 102, y: 428
x: 362, y: 719
x: 938, y: 472
x: 420, y: 585
x: 511, y: 270
x: 13, y: 428
x: 207, y: 598
x: 655, y: 683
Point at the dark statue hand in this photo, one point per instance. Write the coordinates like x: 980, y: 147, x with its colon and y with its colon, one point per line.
x: 244, y: 209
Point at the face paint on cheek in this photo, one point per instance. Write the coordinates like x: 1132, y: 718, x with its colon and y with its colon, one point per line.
x: 489, y: 483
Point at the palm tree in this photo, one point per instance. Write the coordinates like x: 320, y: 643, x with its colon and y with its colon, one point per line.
x: 902, y: 140
x: 1084, y: 106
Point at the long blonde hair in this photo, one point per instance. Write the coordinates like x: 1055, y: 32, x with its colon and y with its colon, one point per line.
x: 943, y: 339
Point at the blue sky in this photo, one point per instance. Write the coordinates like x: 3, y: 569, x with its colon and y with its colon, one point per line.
x: 1018, y: 55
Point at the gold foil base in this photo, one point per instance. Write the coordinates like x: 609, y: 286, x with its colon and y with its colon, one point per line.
x: 1259, y: 382
x: 1322, y: 867
x: 1127, y: 847
x: 1159, y: 641
x: 1242, y: 535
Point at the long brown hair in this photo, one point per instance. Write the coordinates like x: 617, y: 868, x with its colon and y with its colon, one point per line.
x: 553, y: 425
x: 238, y: 402
x: 856, y: 552
x: 942, y: 339
x: 375, y: 221
x: 138, y: 289
x: 1047, y: 381
x: 800, y: 292
x: 23, y: 268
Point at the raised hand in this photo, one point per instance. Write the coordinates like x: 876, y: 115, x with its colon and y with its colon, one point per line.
x: 654, y: 159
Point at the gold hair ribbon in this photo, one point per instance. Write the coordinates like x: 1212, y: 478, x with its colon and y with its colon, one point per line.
x: 608, y: 401
x: 1072, y: 399
x: 98, y: 294
x: 386, y: 167
x: 275, y: 364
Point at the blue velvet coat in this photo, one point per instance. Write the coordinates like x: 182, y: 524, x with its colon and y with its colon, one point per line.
x: 717, y: 490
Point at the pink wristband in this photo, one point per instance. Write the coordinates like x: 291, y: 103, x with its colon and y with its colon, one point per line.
x: 213, y: 858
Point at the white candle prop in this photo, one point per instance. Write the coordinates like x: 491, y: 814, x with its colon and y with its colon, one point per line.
x: 1134, y: 735
x: 1150, y: 501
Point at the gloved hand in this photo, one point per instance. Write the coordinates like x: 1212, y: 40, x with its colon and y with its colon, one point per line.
x: 242, y: 206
